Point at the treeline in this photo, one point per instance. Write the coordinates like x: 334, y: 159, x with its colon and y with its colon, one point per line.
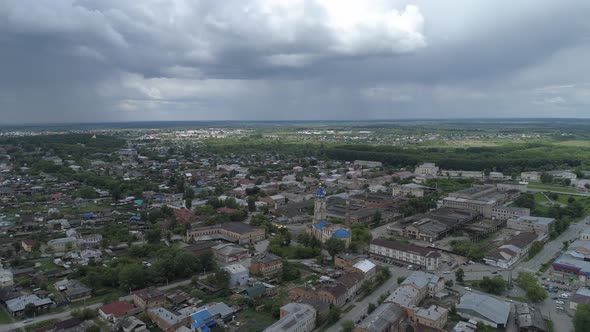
x: 65, y: 145
x: 508, y: 158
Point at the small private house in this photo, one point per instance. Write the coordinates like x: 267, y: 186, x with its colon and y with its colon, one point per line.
x: 238, y: 274
x: 16, y: 306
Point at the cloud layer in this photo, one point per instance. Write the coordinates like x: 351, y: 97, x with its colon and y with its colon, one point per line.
x: 116, y: 60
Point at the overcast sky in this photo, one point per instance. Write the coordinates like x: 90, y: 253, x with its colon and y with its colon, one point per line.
x: 130, y: 60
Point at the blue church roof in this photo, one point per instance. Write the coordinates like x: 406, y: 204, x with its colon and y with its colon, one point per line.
x: 341, y: 234
x: 321, y: 192
x: 321, y: 225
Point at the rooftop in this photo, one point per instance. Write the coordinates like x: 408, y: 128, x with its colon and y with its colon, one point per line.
x: 382, y: 317
x: 422, y: 251
x: 485, y: 307
x: 298, y: 313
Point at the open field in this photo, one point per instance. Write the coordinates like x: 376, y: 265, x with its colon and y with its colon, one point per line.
x: 549, y: 187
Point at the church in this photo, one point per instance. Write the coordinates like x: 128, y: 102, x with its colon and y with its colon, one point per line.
x: 320, y: 228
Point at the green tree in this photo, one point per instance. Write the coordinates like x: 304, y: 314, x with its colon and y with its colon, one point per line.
x: 334, y: 246
x: 371, y: 308
x: 334, y: 314
x: 400, y: 280
x: 347, y: 326
x: 495, y: 285
x: 92, y: 328
x: 459, y: 275
x: 131, y: 277
x: 154, y: 235
x: 30, y: 309
x: 376, y: 220
x: 536, y: 248
x: 536, y: 293
x: 251, y: 204
x: 582, y: 318
x: 87, y: 192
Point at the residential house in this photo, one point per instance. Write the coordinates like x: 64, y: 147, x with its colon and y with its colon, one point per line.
x: 510, y: 252
x: 132, y: 324
x: 387, y: 317
x: 148, y: 298
x: 295, y: 317
x: 28, y: 245
x: 529, y: 319
x: 266, y: 265
x: 226, y: 253
x: 16, y: 306
x: 238, y: 274
x: 115, y: 311
x: 73, y: 290
x: 166, y: 320
x: 63, y: 244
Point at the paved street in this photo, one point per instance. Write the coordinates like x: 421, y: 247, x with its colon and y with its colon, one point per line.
x: 360, y: 308
x: 58, y: 315
x: 551, y: 249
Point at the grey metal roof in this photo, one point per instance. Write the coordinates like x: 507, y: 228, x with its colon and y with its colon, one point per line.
x: 19, y: 303
x: 382, y: 317
x: 485, y: 306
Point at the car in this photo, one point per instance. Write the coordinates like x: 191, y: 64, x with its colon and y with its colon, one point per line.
x: 358, y: 322
x: 468, y: 289
x: 28, y: 320
x: 559, y: 308
x: 559, y: 302
x: 446, y: 272
x: 363, y: 316
x: 555, y: 298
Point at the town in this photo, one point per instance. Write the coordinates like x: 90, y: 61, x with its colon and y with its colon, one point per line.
x: 226, y: 229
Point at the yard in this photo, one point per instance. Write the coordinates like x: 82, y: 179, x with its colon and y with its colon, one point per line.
x: 252, y: 320
x: 4, y: 317
x: 550, y: 187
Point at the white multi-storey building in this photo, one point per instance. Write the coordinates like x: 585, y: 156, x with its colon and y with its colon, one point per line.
x: 427, y: 258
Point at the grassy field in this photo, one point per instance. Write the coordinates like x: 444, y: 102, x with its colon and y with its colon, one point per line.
x: 580, y: 143
x: 44, y: 323
x: 549, y: 187
x: 4, y: 318
x: 263, y: 317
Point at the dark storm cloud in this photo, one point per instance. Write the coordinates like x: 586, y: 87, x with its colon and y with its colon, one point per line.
x: 67, y: 60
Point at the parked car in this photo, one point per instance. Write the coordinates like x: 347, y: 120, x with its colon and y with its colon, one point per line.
x: 559, y: 302
x: 468, y: 289
x: 559, y: 308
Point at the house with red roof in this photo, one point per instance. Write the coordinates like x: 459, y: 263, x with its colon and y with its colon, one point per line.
x: 114, y: 311
x: 226, y: 210
x: 28, y: 245
x: 184, y: 216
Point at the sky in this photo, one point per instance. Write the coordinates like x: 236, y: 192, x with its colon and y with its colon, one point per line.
x: 154, y: 60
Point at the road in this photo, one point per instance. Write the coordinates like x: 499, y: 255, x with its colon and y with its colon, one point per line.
x: 551, y: 249
x: 58, y: 315
x: 557, y: 192
x: 360, y: 308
